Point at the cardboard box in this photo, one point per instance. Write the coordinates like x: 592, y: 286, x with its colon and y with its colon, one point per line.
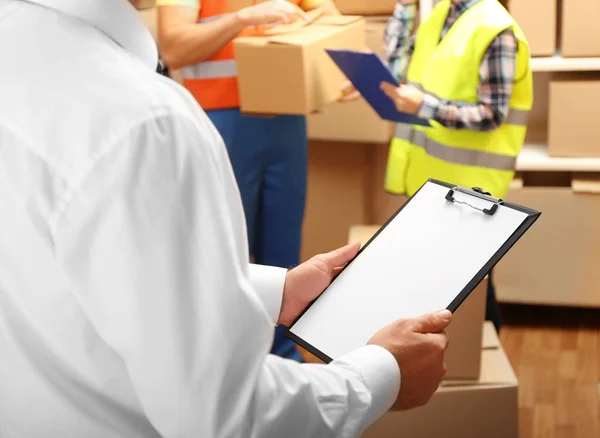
x: 366, y: 7
x: 556, y: 262
x: 338, y: 194
x: 580, y: 34
x: 572, y: 122
x: 350, y: 121
x: 463, y: 357
x: 538, y: 19
x: 487, y: 407
x: 290, y: 72
x: 354, y: 121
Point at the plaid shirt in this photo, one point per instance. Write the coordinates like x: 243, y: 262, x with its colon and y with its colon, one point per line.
x: 497, y: 72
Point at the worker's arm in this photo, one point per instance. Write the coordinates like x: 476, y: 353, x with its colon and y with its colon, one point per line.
x: 497, y: 77
x: 155, y: 249
x: 183, y: 41
x: 399, y: 42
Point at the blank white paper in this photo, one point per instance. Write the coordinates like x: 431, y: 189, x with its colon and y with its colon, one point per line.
x: 418, y: 264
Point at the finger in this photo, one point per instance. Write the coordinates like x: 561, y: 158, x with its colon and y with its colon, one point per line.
x: 350, y: 96
x: 433, y: 322
x: 391, y: 92
x: 347, y: 87
x: 342, y: 255
x: 388, y: 88
x: 293, y: 10
x: 441, y: 338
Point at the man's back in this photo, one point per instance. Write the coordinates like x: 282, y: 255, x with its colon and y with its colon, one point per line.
x: 62, y: 112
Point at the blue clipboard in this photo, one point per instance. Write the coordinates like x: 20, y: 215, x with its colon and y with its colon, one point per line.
x: 367, y: 71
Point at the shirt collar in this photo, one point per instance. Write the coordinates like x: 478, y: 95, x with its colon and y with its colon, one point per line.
x: 460, y: 7
x: 116, y: 18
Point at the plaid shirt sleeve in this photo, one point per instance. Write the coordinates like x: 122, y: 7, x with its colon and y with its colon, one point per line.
x: 399, y: 44
x: 497, y: 75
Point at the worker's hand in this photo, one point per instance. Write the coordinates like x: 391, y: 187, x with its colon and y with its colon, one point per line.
x: 407, y: 98
x: 271, y: 12
x: 418, y: 345
x: 349, y: 93
x: 307, y: 281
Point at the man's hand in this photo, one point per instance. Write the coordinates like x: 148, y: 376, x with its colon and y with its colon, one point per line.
x: 418, y: 345
x: 306, y: 282
x: 408, y: 99
x: 349, y: 93
x: 271, y: 12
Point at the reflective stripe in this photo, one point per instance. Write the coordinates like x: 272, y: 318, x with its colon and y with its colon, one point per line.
x: 467, y: 157
x: 209, y: 19
x: 403, y: 131
x: 210, y: 70
x: 515, y: 116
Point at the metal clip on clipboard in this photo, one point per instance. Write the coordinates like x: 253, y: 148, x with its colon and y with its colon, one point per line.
x: 478, y: 193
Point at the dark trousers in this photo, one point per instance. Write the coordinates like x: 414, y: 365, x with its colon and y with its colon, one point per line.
x: 492, y: 311
x: 269, y: 156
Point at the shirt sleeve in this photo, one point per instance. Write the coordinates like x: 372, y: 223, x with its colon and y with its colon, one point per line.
x: 268, y: 282
x: 153, y: 245
x: 399, y: 39
x: 496, y: 81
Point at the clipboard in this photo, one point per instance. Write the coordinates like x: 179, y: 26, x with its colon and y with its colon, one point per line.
x: 367, y: 71
x: 430, y: 255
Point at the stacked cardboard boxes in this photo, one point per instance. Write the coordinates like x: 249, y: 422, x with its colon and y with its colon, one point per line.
x: 562, y: 254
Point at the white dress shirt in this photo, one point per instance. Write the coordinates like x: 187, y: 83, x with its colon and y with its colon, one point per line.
x: 128, y: 307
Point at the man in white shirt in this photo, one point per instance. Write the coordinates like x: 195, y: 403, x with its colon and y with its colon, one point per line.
x: 128, y: 307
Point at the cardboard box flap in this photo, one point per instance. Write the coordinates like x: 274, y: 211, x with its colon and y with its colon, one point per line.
x: 586, y: 184
x: 490, y: 336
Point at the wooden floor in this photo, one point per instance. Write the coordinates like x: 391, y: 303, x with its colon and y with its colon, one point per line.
x: 556, y: 355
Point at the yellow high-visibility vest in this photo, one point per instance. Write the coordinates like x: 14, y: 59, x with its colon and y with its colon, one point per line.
x: 450, y: 70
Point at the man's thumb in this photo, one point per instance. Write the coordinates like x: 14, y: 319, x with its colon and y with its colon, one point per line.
x: 434, y: 322
x: 343, y: 255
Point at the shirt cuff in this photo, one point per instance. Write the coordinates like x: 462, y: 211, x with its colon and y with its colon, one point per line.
x: 268, y: 282
x: 429, y: 107
x: 381, y: 375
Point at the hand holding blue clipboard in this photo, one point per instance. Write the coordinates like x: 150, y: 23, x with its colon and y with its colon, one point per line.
x: 367, y: 71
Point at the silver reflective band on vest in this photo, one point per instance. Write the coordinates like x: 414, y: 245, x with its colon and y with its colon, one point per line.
x: 210, y: 70
x: 454, y: 155
x: 515, y: 116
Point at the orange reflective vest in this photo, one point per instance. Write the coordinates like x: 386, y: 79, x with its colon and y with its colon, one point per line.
x: 214, y: 82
